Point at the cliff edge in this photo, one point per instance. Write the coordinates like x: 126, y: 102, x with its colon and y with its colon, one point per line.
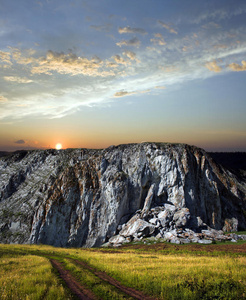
x: 87, y: 197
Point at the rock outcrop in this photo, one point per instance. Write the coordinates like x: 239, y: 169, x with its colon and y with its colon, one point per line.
x: 85, y: 198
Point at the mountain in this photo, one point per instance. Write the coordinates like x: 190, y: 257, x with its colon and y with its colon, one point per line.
x: 87, y: 197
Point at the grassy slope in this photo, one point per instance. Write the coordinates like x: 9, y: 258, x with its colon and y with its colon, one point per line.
x: 165, y: 272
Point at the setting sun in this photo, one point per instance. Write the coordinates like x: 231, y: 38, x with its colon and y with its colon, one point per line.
x: 58, y: 146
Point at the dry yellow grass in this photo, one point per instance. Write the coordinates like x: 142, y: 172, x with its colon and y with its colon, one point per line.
x: 29, y: 277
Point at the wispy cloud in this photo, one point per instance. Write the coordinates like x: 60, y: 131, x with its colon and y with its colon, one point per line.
x: 134, y: 42
x: 5, y: 57
x: 160, y: 87
x: 219, y: 14
x: 211, y: 25
x: 131, y: 55
x: 125, y: 93
x: 187, y: 48
x: 17, y: 79
x: 168, y: 27
x: 20, y: 142
x: 128, y: 29
x: 3, y: 99
x: 119, y: 60
x: 105, y: 27
x: 159, y: 39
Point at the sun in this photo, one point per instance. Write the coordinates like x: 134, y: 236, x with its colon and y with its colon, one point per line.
x: 58, y: 146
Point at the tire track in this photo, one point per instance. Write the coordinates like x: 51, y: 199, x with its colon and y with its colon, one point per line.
x: 105, y: 277
x: 75, y: 287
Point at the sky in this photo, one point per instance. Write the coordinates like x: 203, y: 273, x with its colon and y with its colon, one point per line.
x: 90, y: 74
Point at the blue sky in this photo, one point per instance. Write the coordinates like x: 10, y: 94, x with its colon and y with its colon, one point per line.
x: 96, y: 73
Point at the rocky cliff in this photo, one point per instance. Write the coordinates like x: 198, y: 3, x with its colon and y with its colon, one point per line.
x: 83, y: 197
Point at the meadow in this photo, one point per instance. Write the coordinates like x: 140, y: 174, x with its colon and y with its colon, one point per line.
x: 162, y: 271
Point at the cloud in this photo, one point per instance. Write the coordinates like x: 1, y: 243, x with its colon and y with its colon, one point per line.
x: 125, y: 93
x: 24, y: 58
x: 159, y: 40
x: 168, y: 27
x: 217, y: 14
x: 237, y: 67
x: 187, y: 48
x: 59, y: 62
x: 119, y: 60
x: 69, y: 64
x: 212, y: 66
x: 20, y: 142
x: 131, y: 30
x: 3, y: 99
x: 160, y: 87
x: 5, y: 57
x: 131, y: 55
x: 220, y: 46
x: 17, y: 79
x: 134, y: 42
x: 211, y: 25
x: 105, y: 27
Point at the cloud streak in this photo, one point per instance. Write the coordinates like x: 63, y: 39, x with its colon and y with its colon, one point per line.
x: 17, y: 79
x: 134, y: 42
x: 168, y: 27
x: 20, y: 142
x: 128, y: 29
x: 125, y: 93
x: 105, y: 27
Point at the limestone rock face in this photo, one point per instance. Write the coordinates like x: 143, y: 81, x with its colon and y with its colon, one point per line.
x: 83, y: 197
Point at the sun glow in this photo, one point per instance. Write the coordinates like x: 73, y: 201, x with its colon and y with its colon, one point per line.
x: 58, y: 146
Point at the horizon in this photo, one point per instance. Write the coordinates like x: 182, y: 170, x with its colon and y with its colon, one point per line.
x: 117, y: 145
x: 90, y: 74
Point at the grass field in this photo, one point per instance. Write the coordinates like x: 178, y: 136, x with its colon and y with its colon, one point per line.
x: 163, y: 272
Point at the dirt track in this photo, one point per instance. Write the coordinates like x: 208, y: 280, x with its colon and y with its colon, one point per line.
x: 102, y: 275
x: 83, y: 293
x: 75, y: 287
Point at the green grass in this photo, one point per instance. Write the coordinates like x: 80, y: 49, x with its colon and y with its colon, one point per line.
x: 165, y: 274
x: 29, y: 277
x: 175, y: 276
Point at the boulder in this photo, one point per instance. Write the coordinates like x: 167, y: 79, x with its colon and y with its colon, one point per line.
x: 181, y: 217
x: 138, y: 228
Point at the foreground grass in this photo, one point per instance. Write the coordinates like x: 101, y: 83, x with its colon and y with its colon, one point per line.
x: 29, y: 277
x: 165, y: 275
x: 176, y: 276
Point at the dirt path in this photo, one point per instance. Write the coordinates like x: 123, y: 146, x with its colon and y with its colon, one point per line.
x: 76, y: 288
x: 102, y: 275
x: 83, y: 293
